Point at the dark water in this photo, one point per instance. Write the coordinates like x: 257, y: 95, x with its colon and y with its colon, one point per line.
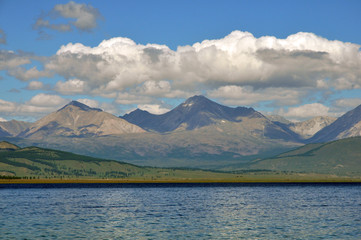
x: 181, y: 211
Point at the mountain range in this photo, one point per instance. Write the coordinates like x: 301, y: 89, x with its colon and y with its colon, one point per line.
x: 79, y: 120
x: 197, y: 133
x: 348, y: 125
x: 195, y: 112
x: 13, y: 127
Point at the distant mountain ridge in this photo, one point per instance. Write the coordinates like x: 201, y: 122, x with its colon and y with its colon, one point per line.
x: 4, y: 133
x: 13, y: 127
x: 199, y: 133
x: 195, y: 112
x: 79, y: 120
x: 348, y: 125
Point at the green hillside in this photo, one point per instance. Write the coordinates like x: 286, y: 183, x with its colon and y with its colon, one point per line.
x: 334, y: 161
x: 34, y: 162
x: 341, y: 157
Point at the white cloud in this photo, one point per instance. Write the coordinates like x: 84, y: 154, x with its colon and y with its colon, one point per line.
x: 86, y: 17
x: 72, y: 86
x: 153, y: 108
x: 41, y: 23
x: 107, y: 107
x: 27, y: 74
x: 47, y: 100
x: 303, y: 60
x: 306, y: 111
x: 128, y: 98
x: 238, y: 69
x: 37, y: 107
x: 154, y: 88
x: 35, y: 85
x: 347, y: 103
x: 10, y: 59
x: 236, y: 95
x: 3, y: 119
x: 6, y: 106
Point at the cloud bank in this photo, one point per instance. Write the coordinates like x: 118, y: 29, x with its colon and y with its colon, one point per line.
x: 239, y: 69
x: 239, y: 63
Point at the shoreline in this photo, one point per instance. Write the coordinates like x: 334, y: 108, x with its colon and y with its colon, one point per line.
x: 139, y: 181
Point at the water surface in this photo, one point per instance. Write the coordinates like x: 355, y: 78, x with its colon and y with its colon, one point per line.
x: 180, y: 211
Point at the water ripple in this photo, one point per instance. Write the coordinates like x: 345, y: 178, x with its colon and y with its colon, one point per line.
x: 196, y: 212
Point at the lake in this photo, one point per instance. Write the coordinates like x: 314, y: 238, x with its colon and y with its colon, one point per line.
x: 180, y: 211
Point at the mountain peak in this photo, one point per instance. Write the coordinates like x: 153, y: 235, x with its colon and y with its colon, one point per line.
x: 80, y: 105
x: 79, y: 120
x: 197, y: 111
x: 197, y: 99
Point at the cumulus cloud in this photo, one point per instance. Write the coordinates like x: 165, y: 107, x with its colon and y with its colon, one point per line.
x: 237, y: 95
x: 239, y: 69
x: 12, y: 62
x: 24, y: 74
x: 347, y: 102
x: 302, y: 60
x: 72, y: 86
x: 306, y: 111
x: 2, y: 37
x: 38, y: 106
x: 153, y: 108
x: 126, y: 98
x: 6, y: 106
x: 76, y: 15
x: 86, y: 15
x: 10, y: 59
x: 35, y: 85
x: 47, y: 100
x: 41, y: 23
x: 3, y: 119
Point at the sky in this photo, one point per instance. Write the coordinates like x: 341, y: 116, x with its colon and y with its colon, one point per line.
x: 297, y: 59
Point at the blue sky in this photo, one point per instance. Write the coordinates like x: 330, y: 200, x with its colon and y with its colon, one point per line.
x: 298, y: 59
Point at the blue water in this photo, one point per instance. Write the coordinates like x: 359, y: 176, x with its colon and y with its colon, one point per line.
x: 181, y: 211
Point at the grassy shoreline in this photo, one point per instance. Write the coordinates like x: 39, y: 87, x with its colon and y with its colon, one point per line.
x: 243, y: 180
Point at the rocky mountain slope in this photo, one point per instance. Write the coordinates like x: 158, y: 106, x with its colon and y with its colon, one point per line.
x: 195, y: 112
x: 348, y: 125
x: 78, y: 120
x: 14, y: 127
x: 308, y: 128
x: 4, y: 133
x: 198, y: 111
